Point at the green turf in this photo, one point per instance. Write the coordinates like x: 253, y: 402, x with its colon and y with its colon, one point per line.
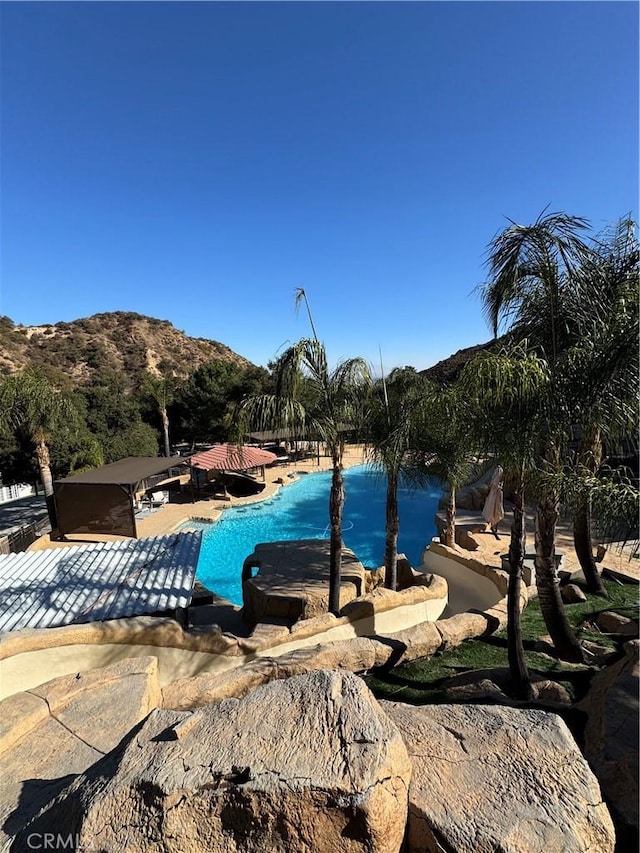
x: 420, y: 682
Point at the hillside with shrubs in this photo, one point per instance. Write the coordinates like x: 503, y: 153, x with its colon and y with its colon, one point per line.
x: 125, y: 343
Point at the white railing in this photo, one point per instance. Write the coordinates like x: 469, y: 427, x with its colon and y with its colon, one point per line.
x: 12, y: 493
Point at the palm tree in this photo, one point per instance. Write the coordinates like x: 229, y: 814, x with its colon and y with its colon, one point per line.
x: 443, y: 446
x: 531, y: 268
x: 506, y: 388
x: 161, y: 389
x: 601, y: 368
x: 29, y: 403
x: 391, y: 436
x: 332, y: 399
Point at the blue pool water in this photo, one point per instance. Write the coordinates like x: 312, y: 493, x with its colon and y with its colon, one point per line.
x: 301, y: 511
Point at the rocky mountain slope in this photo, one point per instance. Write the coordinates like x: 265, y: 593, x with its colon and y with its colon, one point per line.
x: 122, y: 341
x: 449, y: 368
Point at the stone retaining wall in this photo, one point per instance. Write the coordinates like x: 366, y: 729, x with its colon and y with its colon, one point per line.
x: 32, y: 656
x: 472, y: 583
x: 401, y: 626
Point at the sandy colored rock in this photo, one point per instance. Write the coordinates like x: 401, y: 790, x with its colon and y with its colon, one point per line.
x: 87, y: 715
x: 497, y: 616
x: 102, y: 705
x: 476, y: 691
x: 552, y: 692
x: 293, y: 580
x: 373, y: 579
x: 611, y: 732
x: 309, y: 763
x: 134, y: 630
x: 615, y: 623
x: 265, y: 635
x: 572, y: 594
x: 419, y: 641
x: 405, y: 573
x: 495, y: 778
x: 199, y: 690
x: 463, y: 626
x: 318, y: 625
x: 19, y: 714
x: 357, y: 655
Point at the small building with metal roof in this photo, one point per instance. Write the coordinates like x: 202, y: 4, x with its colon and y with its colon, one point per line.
x: 103, y: 499
x: 90, y: 583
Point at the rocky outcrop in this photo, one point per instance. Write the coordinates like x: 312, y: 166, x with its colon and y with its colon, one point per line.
x: 61, y: 728
x: 357, y: 655
x: 293, y: 580
x: 494, y: 778
x: 310, y: 763
x: 611, y: 732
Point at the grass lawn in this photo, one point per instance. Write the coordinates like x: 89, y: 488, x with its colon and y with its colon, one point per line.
x: 420, y: 682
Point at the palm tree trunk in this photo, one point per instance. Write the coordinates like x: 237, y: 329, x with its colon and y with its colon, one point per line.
x: 450, y: 527
x: 517, y: 663
x: 165, y: 431
x: 391, y: 536
x: 44, y: 466
x: 548, y: 582
x: 584, y: 547
x: 336, y: 506
x: 590, y: 455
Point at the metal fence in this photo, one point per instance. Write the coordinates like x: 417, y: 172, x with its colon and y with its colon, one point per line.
x: 20, y: 539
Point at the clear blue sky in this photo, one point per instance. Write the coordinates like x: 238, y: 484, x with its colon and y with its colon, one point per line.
x: 199, y: 161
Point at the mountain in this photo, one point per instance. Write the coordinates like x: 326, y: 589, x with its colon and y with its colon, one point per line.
x: 121, y: 341
x: 448, y: 369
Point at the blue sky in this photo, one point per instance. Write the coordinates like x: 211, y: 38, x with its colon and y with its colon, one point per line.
x: 199, y: 161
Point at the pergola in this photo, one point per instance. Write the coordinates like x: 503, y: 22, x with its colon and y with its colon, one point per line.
x: 102, y: 500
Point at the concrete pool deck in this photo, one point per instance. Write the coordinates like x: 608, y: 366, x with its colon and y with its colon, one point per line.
x: 490, y: 550
x: 168, y: 517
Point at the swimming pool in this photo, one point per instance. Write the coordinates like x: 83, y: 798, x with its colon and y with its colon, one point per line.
x: 301, y: 511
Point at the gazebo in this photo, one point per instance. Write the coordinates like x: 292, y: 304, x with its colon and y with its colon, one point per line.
x: 226, y: 463
x: 103, y: 500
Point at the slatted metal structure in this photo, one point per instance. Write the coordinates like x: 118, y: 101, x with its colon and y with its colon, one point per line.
x: 90, y: 583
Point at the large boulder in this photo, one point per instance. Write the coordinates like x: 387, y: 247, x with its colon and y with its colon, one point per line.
x: 309, y: 763
x: 611, y: 732
x: 59, y: 729
x: 494, y: 778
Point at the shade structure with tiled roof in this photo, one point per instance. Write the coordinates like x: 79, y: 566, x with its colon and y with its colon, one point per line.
x: 232, y: 457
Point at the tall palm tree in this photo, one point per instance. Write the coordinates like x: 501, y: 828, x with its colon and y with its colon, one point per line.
x: 161, y: 389
x: 392, y: 421
x: 506, y: 388
x: 30, y: 403
x: 600, y: 368
x: 332, y: 399
x: 531, y: 268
